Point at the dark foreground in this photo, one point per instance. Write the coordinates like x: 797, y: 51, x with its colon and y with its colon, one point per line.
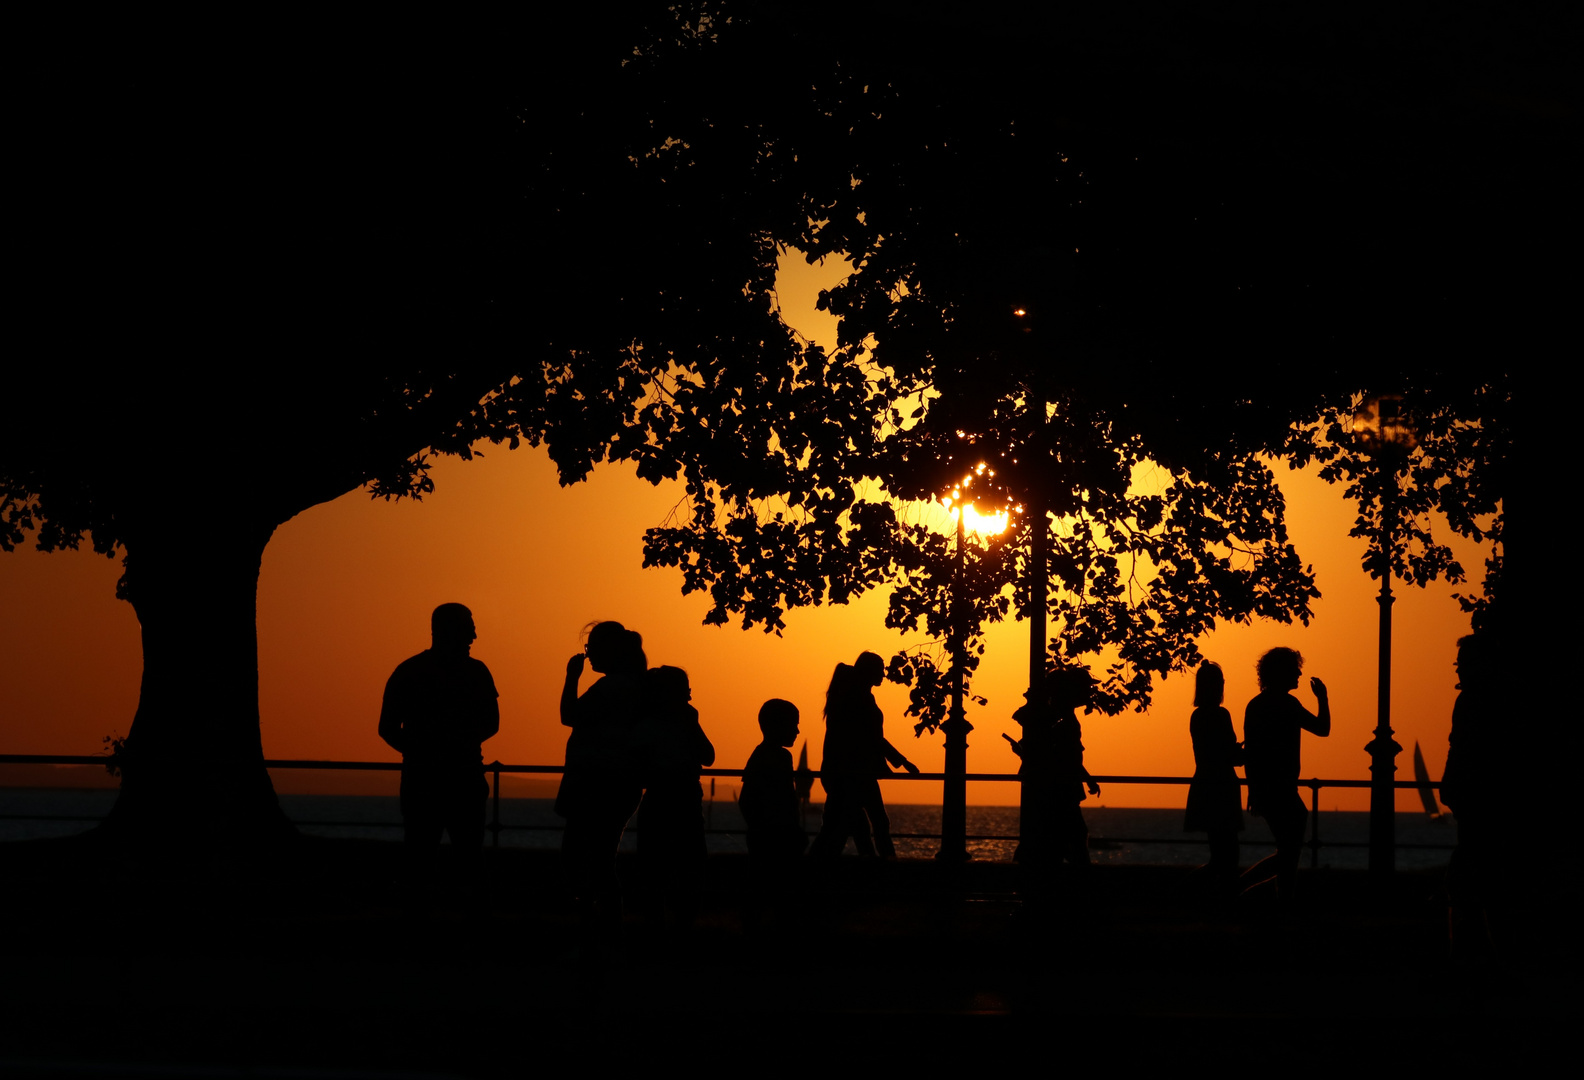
x: 316, y: 961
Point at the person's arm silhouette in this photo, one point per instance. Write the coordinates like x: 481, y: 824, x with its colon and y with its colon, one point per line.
x: 1322, y: 723
x: 569, y: 693
x: 895, y: 759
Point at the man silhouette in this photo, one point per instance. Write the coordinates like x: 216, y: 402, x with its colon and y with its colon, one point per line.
x: 439, y: 708
x: 1273, y: 725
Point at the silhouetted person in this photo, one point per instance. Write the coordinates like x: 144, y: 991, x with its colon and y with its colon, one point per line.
x: 1051, y: 823
x: 438, y: 709
x: 1214, y: 797
x: 1475, y: 780
x: 769, y: 805
x: 601, y: 786
x: 857, y: 754
x: 877, y: 756
x: 842, y: 815
x: 1273, y: 724
x: 671, y: 749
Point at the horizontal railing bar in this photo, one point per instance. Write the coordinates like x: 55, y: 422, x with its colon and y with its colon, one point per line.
x: 395, y: 766
x: 497, y: 768
x: 54, y: 759
x: 895, y: 836
x: 743, y: 832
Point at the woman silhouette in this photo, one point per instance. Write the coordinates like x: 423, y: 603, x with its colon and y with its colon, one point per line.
x: 670, y: 748
x: 857, y: 754
x: 601, y: 787
x: 1214, y: 797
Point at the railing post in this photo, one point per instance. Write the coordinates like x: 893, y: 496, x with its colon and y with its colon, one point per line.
x: 495, y: 825
x: 1314, y: 824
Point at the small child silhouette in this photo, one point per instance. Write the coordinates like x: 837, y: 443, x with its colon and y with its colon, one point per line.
x: 769, y: 805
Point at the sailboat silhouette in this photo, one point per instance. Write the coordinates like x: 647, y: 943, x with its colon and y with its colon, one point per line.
x: 803, y: 782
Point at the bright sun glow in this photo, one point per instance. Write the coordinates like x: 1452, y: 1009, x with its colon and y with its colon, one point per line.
x: 975, y: 522
x: 984, y: 524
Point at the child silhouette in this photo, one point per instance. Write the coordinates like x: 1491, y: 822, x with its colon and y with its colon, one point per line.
x: 769, y: 805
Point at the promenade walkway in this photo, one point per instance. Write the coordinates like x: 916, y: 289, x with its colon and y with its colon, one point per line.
x: 318, y: 957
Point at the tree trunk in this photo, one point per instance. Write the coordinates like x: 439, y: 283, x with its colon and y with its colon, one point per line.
x: 193, y: 764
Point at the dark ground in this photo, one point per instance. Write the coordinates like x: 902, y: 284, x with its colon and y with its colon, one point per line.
x: 309, y: 962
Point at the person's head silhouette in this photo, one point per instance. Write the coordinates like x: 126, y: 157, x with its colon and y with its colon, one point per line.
x: 778, y: 722
x: 1279, y: 669
x: 1070, y: 688
x: 612, y: 649
x: 1474, y: 662
x: 451, y: 629
x: 669, y: 685
x: 605, y: 645
x: 870, y: 669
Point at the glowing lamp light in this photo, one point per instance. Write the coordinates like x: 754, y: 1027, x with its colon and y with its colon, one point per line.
x: 985, y: 524
x: 974, y: 521
x: 1381, y: 425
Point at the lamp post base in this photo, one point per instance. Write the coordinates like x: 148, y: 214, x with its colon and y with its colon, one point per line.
x: 954, y: 796
x: 1383, y: 751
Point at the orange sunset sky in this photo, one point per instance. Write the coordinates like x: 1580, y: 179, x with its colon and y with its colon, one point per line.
x: 347, y: 588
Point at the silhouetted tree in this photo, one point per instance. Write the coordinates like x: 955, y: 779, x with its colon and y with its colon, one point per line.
x: 264, y: 283
x: 1213, y: 227
x: 299, y: 271
x: 1453, y: 465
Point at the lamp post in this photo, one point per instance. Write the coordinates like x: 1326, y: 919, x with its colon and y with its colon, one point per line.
x: 954, y: 794
x: 1384, y: 430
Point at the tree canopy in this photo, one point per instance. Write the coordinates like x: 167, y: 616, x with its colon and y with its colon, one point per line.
x: 274, y: 284
x: 1186, y: 295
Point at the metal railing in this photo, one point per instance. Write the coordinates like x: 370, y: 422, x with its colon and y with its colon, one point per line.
x: 496, y: 769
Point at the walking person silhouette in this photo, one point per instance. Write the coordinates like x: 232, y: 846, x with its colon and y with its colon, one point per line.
x: 601, y: 787
x: 1273, y: 725
x: 438, y: 709
x: 1051, y: 825
x: 1214, y: 797
x: 856, y: 755
x: 671, y: 747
